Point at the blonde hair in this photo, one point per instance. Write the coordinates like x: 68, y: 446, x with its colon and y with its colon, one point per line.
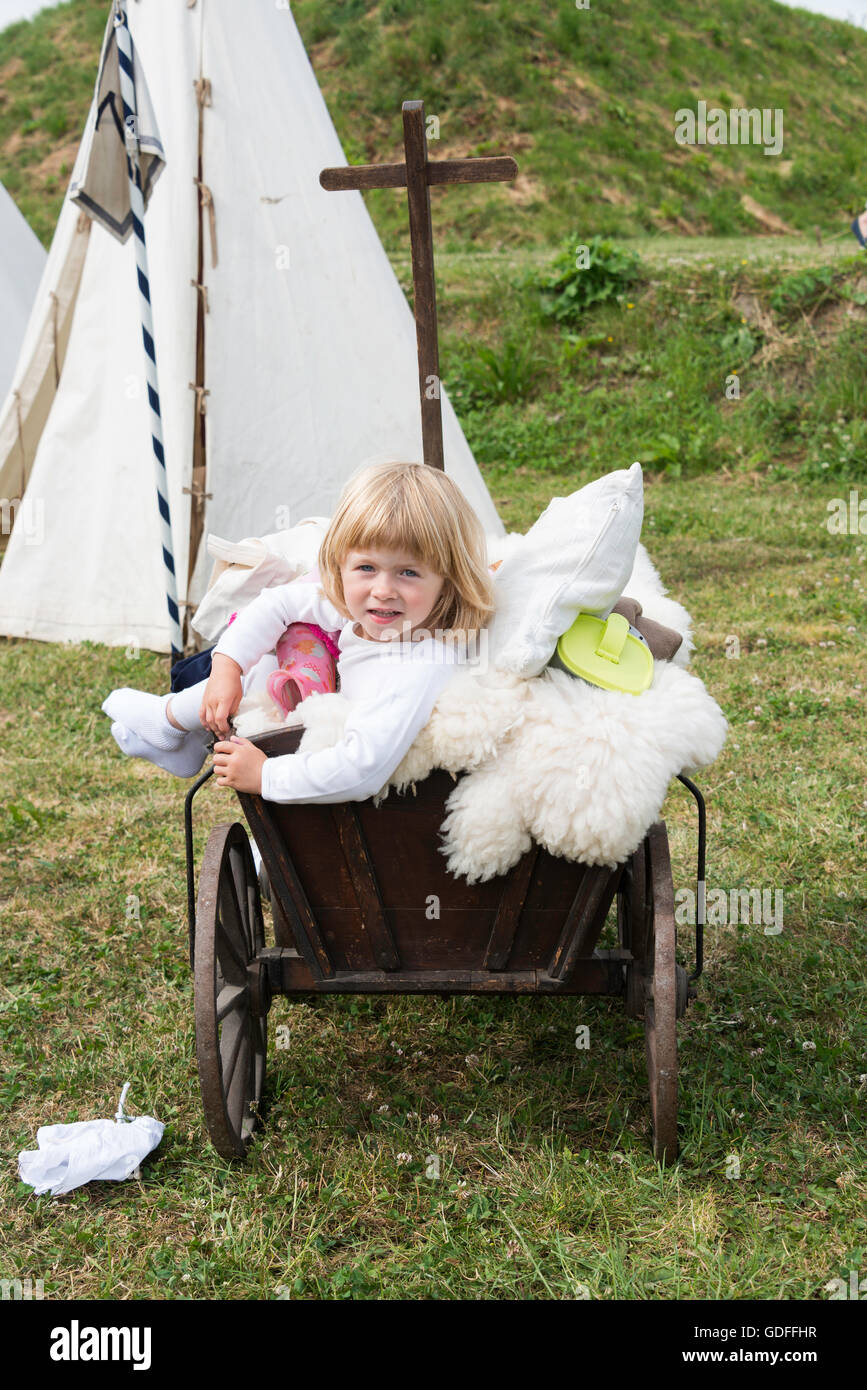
x: 418, y: 509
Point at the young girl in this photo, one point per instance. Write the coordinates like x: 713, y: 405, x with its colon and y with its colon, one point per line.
x: 403, y: 574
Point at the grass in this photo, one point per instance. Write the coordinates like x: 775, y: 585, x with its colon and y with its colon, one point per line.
x: 586, y: 101
x: 546, y: 1184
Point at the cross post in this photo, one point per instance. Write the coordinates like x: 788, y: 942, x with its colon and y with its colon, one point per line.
x: 416, y: 175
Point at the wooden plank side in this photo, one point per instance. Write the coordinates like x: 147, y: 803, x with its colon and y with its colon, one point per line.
x: 586, y: 919
x: 505, y: 926
x: 360, y: 868
x: 287, y: 886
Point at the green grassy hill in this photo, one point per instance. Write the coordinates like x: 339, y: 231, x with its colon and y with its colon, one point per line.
x: 584, y: 99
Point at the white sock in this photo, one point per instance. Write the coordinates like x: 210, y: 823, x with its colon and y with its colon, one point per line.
x: 183, y: 761
x: 144, y: 715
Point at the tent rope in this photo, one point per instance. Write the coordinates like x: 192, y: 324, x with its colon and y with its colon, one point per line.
x: 203, y: 289
x: 54, y: 306
x: 17, y: 398
x: 201, y: 393
x: 207, y: 201
x: 197, y: 491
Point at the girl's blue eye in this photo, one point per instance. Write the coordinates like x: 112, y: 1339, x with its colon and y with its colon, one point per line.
x: 407, y: 569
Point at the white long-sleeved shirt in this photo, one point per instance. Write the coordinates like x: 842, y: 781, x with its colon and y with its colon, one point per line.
x: 392, y: 688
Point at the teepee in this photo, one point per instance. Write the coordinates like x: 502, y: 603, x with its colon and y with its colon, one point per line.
x: 285, y: 346
x: 22, y: 261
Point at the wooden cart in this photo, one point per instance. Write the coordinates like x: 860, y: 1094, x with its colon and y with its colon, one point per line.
x: 352, y: 886
x: 363, y: 903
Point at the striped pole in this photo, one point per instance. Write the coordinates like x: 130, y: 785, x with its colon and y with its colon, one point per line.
x: 127, y: 93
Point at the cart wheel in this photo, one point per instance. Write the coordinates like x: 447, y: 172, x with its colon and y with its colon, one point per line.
x: 660, y: 1011
x: 231, y: 1013
x: 631, y: 915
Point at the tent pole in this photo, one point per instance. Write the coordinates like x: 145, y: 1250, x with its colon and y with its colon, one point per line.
x: 127, y: 92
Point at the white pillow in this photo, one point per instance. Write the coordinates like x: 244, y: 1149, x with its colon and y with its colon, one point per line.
x: 577, y: 557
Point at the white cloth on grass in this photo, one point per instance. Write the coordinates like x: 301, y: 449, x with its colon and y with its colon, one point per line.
x: 68, y: 1156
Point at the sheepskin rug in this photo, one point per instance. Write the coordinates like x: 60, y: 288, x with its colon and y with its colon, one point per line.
x: 580, y: 770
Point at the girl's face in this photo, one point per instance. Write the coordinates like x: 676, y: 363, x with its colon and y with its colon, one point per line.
x: 386, y: 580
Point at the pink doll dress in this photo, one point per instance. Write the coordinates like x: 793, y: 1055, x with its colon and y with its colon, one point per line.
x: 308, y: 656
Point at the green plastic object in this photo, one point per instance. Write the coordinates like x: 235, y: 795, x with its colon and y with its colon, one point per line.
x: 606, y: 652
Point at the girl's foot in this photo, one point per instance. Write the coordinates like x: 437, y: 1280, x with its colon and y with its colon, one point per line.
x: 145, y: 715
x: 184, y: 761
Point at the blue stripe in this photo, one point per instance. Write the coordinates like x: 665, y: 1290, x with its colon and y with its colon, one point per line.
x: 173, y: 612
x: 149, y: 344
x: 137, y: 226
x: 144, y: 286
x: 164, y: 509
x: 158, y: 450
x: 124, y: 62
x: 169, y: 564
x: 154, y: 400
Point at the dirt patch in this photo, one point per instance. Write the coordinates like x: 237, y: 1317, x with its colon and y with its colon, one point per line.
x: 766, y: 218
x: 702, y: 228
x: 322, y: 55
x: 522, y: 189
x: 50, y: 166
x: 616, y: 196
x: 749, y: 307
x: 505, y: 105
x: 10, y: 70
x: 828, y: 115
x: 13, y: 144
x: 830, y: 319
x: 574, y: 96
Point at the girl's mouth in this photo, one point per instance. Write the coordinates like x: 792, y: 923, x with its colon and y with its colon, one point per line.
x: 382, y: 615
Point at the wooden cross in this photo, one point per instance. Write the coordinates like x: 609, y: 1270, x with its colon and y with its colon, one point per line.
x: 416, y: 175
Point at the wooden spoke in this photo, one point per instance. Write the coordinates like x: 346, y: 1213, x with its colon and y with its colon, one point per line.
x: 231, y: 1041
x: 229, y: 953
x: 230, y: 998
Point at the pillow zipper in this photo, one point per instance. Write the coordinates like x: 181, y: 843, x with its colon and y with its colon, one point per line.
x: 615, y: 507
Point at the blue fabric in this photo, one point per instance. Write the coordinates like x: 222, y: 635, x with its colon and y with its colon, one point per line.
x: 191, y: 669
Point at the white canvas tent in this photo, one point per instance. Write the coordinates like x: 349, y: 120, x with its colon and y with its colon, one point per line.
x: 308, y: 356
x: 22, y: 261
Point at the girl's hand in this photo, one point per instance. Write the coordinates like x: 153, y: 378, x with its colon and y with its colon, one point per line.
x: 238, y: 764
x: 222, y: 695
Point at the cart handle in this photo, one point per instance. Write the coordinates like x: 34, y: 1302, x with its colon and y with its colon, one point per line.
x: 702, y: 880
x: 191, y: 873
